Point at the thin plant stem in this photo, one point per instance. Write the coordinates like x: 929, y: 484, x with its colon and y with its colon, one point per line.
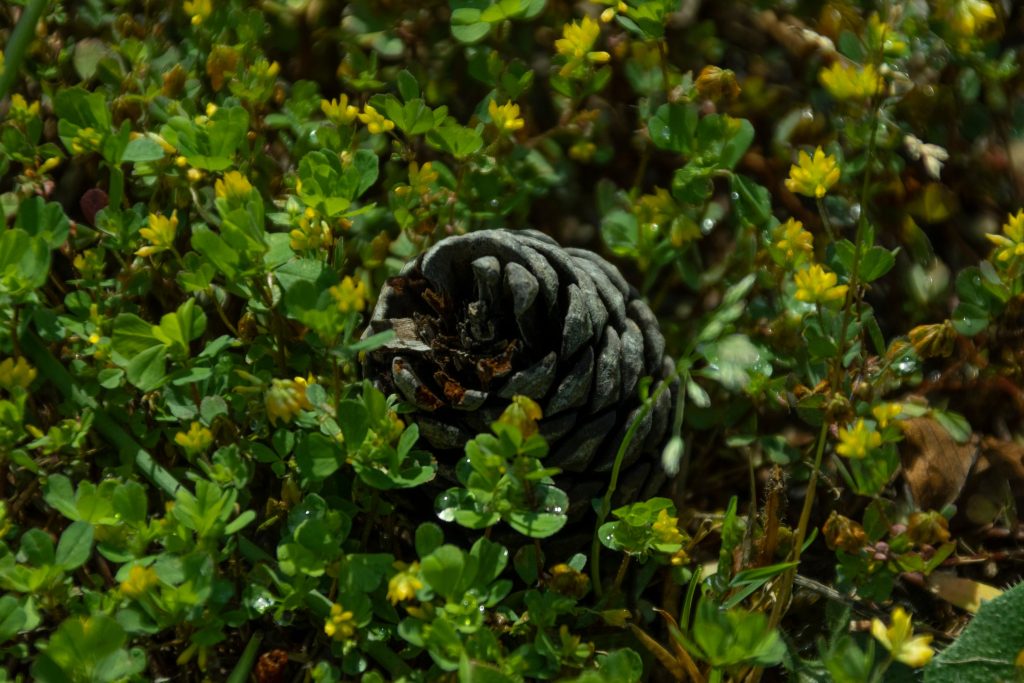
x: 786, y: 589
x: 17, y: 46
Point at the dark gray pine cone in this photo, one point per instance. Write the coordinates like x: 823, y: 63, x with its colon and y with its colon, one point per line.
x: 482, y: 317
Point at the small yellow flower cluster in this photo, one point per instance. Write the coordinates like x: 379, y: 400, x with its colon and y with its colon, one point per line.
x: 403, y: 585
x: 576, y: 42
x: 196, y: 440
x: 349, y: 294
x: 506, y: 117
x: 666, y: 529
x: 90, y: 263
x: 422, y: 177
x: 21, y: 111
x: 522, y: 413
x: 655, y: 210
x: 886, y: 413
x: 792, y: 243
x: 899, y: 639
x: 879, y: 33
x: 847, y: 82
x: 617, y: 7
x: 160, y: 234
x: 568, y: 581
x: 312, y: 233
x: 234, y: 187
x: 199, y: 10
x: 816, y: 285
x: 967, y: 17
x: 16, y: 373
x: 375, y: 122
x: 813, y: 176
x: 341, y: 625
x: 139, y: 582
x: 87, y: 140
x: 857, y: 441
x: 285, y: 398
x: 339, y: 111
x: 1010, y: 245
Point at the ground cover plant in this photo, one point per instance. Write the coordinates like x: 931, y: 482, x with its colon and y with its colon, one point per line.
x: 212, y: 466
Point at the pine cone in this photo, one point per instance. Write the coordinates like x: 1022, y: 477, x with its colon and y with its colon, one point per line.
x: 482, y: 317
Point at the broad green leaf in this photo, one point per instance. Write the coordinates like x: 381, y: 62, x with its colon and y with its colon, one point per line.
x: 673, y: 126
x: 75, y: 546
x: 38, y: 217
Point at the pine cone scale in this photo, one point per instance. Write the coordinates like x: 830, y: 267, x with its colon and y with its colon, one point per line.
x: 483, y: 317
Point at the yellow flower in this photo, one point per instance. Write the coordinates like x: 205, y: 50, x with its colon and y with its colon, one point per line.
x: 86, y: 140
x: 341, y: 625
x: 857, y: 441
x: 793, y: 243
x: 886, y: 412
x: 656, y: 210
x: 21, y: 111
x: 285, y: 398
x: 140, y: 580
x: 350, y: 295
x: 881, y: 33
x: 575, y: 43
x: 339, y: 112
x: 1010, y: 245
x: 16, y: 373
x: 312, y: 233
x: 196, y: 440
x: 522, y: 414
x: 233, y: 187
x: 160, y: 234
x: 506, y: 117
x: 813, y: 176
x: 375, y: 121
x: 403, y: 585
x: 818, y: 286
x: 666, y: 529
x: 899, y: 639
x: 194, y: 175
x: 847, y: 82
x: 199, y: 10
x: 967, y: 17
x: 421, y: 177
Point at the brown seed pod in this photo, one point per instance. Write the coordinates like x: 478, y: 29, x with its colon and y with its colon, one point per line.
x: 482, y: 317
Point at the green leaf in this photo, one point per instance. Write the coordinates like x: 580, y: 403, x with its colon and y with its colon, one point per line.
x: 988, y: 647
x: 24, y: 262
x: 620, y: 232
x: 673, y: 126
x: 12, y: 617
x: 354, y: 420
x: 216, y: 251
x: 467, y: 26
x: 429, y: 537
x: 129, y: 501
x: 75, y: 546
x: 459, y: 141
x: 132, y: 335
x: 876, y: 262
x: 443, y: 570
x: 330, y: 187
x: 142, y: 149
x: 753, y: 203
x: 317, y: 456
x: 147, y: 370
x: 37, y: 547
x: 408, y: 88
x: 38, y: 217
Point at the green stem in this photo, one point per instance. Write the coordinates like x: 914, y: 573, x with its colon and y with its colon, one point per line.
x: 57, y: 374
x: 606, y: 502
x: 801, y: 531
x: 21, y: 38
x: 116, y: 187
